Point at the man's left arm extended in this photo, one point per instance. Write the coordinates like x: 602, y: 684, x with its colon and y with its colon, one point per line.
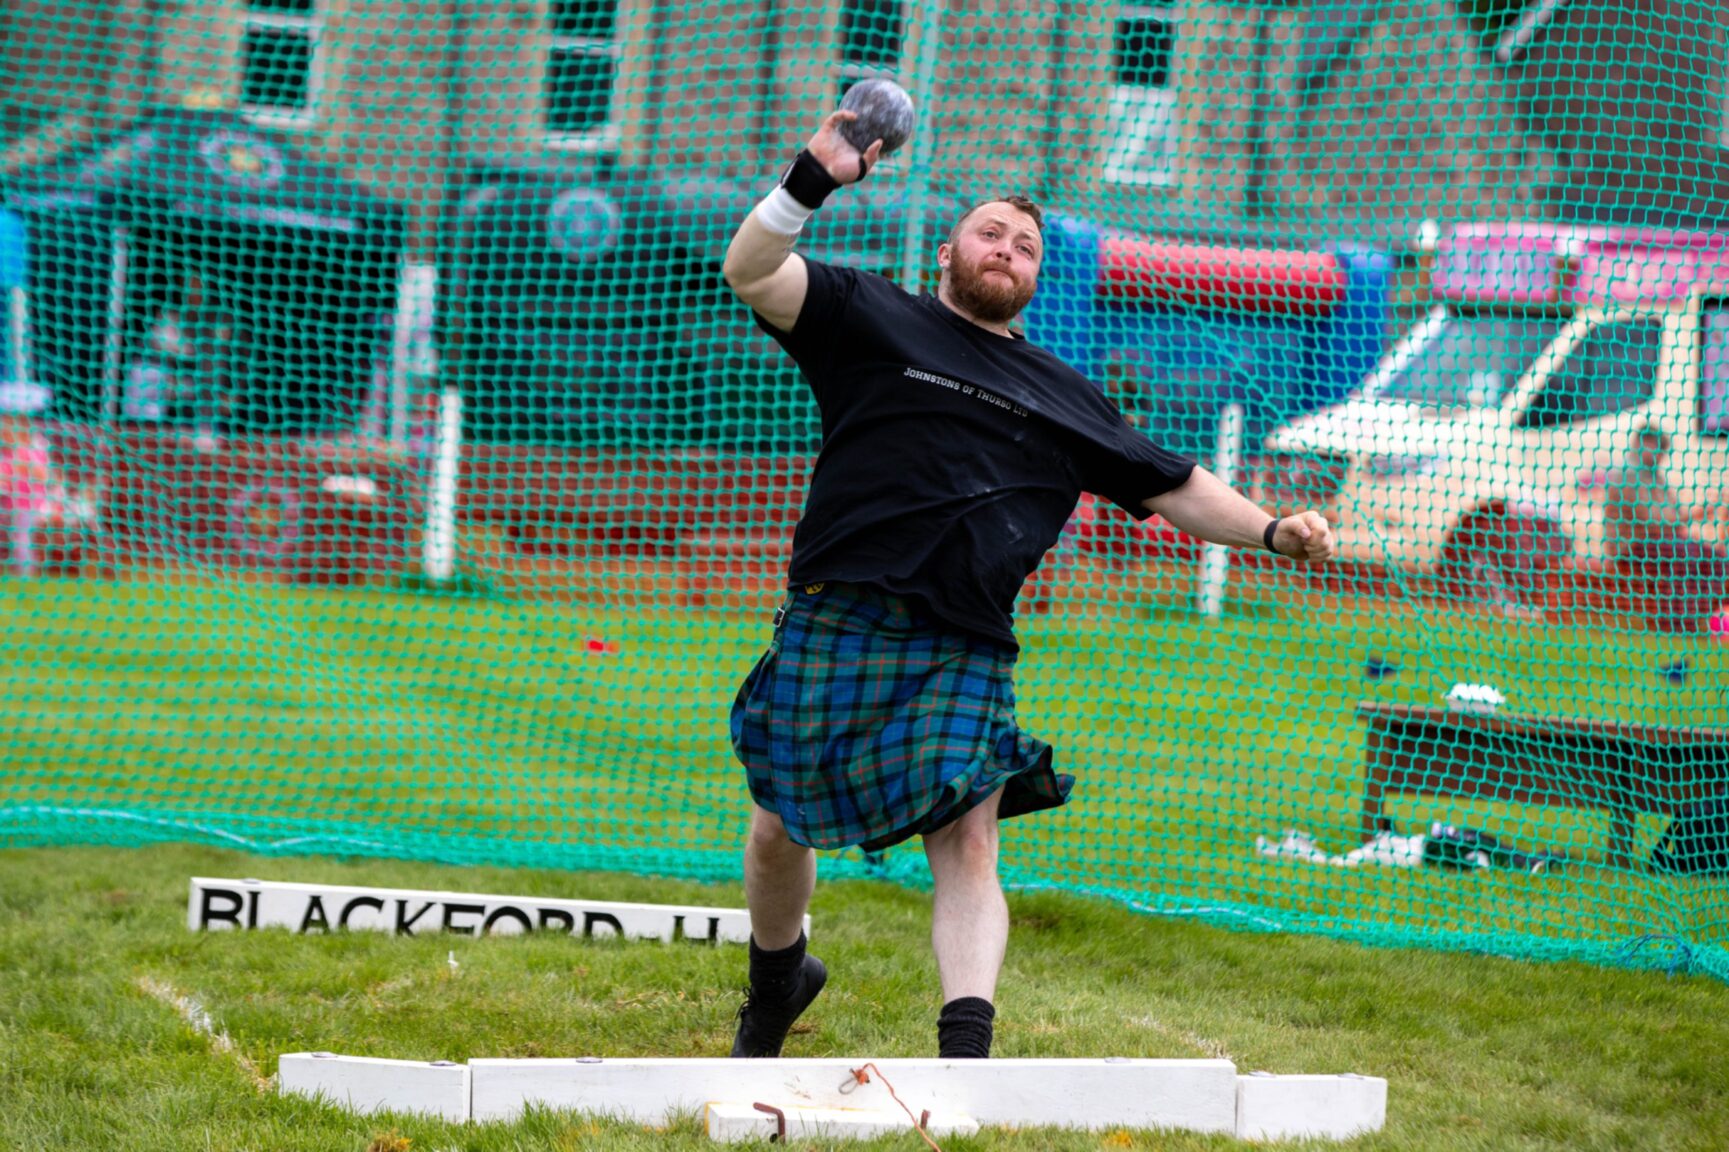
x: 1206, y: 507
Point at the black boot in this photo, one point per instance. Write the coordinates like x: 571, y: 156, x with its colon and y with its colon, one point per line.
x: 764, y: 1021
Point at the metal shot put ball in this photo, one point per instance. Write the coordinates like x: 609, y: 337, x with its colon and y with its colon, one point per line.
x: 885, y: 112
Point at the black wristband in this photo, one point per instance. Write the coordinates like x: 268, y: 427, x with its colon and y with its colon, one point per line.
x: 1268, y: 533
x: 807, y: 181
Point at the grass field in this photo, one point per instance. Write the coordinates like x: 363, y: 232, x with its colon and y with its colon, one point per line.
x: 269, y: 723
x: 484, y: 731
x: 1480, y: 1053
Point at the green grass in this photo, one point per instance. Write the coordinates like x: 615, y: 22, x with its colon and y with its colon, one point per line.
x: 270, y: 724
x: 473, y: 730
x: 1479, y: 1052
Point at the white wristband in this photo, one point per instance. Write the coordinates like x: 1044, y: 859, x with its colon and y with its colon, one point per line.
x: 781, y: 214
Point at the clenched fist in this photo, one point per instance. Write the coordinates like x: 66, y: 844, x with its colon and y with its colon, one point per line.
x: 1306, y: 538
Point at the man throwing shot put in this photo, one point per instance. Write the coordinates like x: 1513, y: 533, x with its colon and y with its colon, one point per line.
x: 953, y: 453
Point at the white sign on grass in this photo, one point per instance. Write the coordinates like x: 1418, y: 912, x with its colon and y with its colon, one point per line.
x: 225, y: 905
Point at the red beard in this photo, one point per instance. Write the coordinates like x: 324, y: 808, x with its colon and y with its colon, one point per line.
x: 993, y: 299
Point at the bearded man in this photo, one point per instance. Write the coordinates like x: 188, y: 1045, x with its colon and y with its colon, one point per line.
x: 953, y: 452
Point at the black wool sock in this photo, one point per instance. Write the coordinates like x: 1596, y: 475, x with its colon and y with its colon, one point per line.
x: 772, y: 973
x: 964, y: 1029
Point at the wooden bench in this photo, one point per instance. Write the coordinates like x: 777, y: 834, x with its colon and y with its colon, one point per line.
x: 1623, y: 769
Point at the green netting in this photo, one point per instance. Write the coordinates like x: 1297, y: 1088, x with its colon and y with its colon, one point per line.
x: 389, y: 470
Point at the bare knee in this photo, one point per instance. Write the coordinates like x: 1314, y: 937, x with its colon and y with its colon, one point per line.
x: 768, y: 839
x: 977, y: 843
x: 968, y: 845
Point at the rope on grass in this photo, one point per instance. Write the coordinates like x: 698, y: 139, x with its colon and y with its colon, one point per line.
x: 1682, y: 961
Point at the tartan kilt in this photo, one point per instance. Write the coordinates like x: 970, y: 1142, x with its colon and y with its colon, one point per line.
x: 867, y: 723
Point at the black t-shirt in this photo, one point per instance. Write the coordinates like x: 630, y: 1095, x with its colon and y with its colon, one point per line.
x: 951, y: 456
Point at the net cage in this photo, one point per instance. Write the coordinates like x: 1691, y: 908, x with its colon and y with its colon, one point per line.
x: 389, y: 470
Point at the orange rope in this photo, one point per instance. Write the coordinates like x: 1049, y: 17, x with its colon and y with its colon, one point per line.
x: 862, y: 1075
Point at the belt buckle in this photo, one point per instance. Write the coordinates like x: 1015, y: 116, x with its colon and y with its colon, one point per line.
x: 809, y: 590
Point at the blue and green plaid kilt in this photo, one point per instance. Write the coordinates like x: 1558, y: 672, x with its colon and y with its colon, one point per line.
x: 866, y: 723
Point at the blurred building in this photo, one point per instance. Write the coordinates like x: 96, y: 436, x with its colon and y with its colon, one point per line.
x: 1354, y: 114
x: 573, y: 167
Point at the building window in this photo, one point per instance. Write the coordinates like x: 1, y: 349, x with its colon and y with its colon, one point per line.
x: 582, y: 74
x: 1141, y: 137
x: 873, y: 32
x: 281, y: 68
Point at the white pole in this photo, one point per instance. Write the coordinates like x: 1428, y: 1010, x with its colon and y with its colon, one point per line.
x: 416, y: 290
x: 922, y: 87
x: 438, y: 547
x: 1216, y: 558
x: 111, y: 366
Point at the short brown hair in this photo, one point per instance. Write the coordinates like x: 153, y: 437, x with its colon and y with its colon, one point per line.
x: 1017, y: 202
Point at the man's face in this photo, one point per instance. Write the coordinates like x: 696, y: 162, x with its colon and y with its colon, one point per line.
x: 992, y: 265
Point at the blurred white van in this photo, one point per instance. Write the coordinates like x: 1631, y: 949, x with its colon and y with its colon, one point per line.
x: 1477, y: 451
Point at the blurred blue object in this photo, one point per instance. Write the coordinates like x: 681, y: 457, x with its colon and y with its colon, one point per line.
x: 12, y: 251
x: 1171, y: 365
x: 1375, y: 668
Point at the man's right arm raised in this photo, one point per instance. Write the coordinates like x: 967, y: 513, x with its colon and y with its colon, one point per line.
x: 761, y: 266
x: 763, y: 270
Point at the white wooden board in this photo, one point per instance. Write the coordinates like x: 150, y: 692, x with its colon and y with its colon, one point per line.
x: 1319, y: 1107
x: 820, y: 1098
x: 1196, y: 1095
x: 736, y: 1123
x: 224, y: 905
x: 366, y: 1085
